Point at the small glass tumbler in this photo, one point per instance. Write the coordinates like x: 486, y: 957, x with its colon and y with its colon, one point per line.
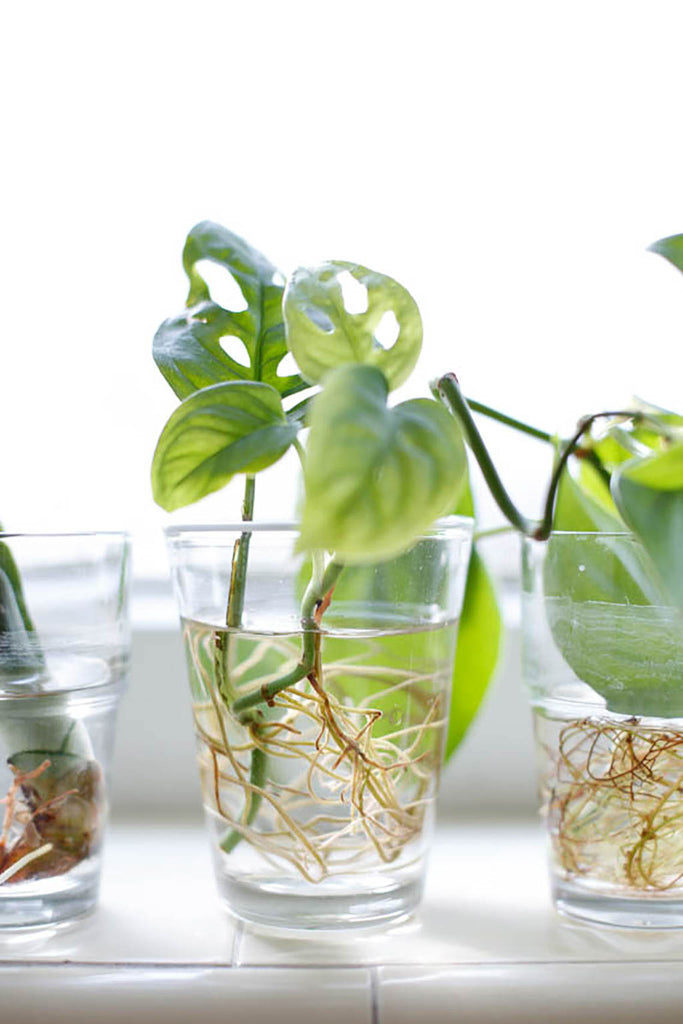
x: 603, y: 663
x: 64, y: 646
x: 320, y: 798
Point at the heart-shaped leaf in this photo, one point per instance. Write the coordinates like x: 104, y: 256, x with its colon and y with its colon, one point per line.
x: 236, y: 427
x: 376, y: 477
x: 187, y: 348
x: 649, y: 494
x: 323, y: 334
x: 603, y: 604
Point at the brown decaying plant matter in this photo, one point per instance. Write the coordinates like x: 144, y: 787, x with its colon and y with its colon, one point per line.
x: 51, y: 820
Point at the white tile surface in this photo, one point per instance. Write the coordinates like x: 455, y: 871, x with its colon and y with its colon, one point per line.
x: 531, y: 994
x: 158, y: 904
x: 175, y: 995
x: 487, y: 900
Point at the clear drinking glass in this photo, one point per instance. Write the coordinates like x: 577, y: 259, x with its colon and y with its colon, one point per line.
x: 320, y: 806
x: 603, y: 662
x: 63, y: 660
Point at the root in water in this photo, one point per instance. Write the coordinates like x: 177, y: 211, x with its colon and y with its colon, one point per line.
x: 614, y: 799
x: 344, y: 788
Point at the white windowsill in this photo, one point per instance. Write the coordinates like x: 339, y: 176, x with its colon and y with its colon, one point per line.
x: 485, y: 941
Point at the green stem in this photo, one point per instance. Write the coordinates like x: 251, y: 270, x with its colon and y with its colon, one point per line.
x: 257, y: 778
x: 450, y: 394
x: 240, y: 557
x: 319, y: 587
x: 544, y: 528
x: 233, y: 620
x: 509, y: 421
x: 448, y: 390
x: 315, y: 593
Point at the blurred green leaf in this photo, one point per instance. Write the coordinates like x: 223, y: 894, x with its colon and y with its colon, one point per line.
x: 376, y: 477
x: 322, y: 334
x: 480, y: 633
x: 584, y: 503
x: 649, y: 494
x: 671, y: 249
x: 236, y: 427
x: 187, y: 348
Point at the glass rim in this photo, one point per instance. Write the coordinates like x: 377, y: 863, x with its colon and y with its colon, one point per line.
x: 447, y: 524
x: 73, y: 534
x: 624, y: 534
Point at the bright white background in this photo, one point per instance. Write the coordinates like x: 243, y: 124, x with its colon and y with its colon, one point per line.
x: 508, y: 162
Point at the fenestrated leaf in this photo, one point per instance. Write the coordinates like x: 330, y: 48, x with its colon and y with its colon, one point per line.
x: 236, y: 427
x: 649, y: 494
x: 322, y: 334
x: 671, y: 249
x: 187, y: 347
x: 376, y: 477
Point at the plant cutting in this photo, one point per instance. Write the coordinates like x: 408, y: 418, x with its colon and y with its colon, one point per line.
x: 320, y: 655
x: 61, y: 662
x: 603, y: 652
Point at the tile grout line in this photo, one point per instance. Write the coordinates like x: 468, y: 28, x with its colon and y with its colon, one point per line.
x: 374, y: 995
x: 237, y: 941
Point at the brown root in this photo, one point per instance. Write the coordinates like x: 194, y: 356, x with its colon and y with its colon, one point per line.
x: 614, y: 803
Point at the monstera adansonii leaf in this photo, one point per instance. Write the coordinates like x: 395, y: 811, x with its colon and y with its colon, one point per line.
x: 322, y: 333
x: 187, y: 348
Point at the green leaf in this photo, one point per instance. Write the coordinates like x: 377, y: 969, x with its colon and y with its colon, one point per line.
x: 671, y: 249
x: 187, y: 348
x: 376, y: 477
x: 322, y: 334
x: 479, y: 637
x: 584, y: 503
x: 237, y: 427
x: 649, y: 494
x: 603, y: 605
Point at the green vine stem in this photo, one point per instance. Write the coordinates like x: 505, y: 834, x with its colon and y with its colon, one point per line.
x: 448, y: 390
x: 316, y: 599
x: 317, y: 593
x: 450, y: 394
x: 509, y: 421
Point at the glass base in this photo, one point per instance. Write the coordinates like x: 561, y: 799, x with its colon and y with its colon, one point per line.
x: 651, y: 912
x: 38, y: 905
x: 289, y: 906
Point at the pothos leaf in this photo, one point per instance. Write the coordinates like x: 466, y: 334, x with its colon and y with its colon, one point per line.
x: 376, y: 477
x: 322, y: 334
x: 187, y: 348
x: 649, y: 494
x: 584, y: 503
x: 236, y: 427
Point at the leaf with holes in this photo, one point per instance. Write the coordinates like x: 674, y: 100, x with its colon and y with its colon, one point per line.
x: 235, y: 427
x: 187, y: 348
x: 323, y: 333
x: 376, y: 477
